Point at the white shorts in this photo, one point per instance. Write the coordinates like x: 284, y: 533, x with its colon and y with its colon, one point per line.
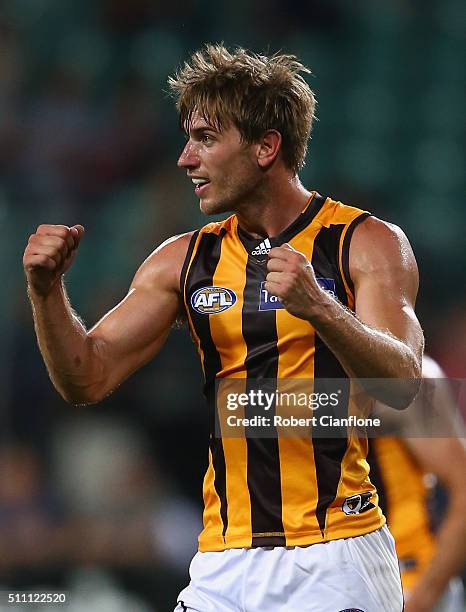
x: 353, y: 574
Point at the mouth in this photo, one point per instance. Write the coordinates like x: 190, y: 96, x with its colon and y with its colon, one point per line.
x: 200, y: 185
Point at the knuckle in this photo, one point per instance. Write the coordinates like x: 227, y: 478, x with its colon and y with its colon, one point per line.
x: 62, y: 231
x: 53, y: 230
x: 62, y: 244
x: 44, y: 228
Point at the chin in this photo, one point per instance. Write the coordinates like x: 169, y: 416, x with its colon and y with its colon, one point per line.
x: 212, y: 208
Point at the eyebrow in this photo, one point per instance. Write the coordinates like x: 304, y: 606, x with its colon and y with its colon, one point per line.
x: 196, y: 132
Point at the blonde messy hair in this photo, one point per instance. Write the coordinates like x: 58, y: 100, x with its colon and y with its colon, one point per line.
x: 253, y: 92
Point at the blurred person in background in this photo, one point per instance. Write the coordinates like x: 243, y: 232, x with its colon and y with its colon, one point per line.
x: 31, y: 517
x: 120, y: 507
x: 432, y: 554
x: 248, y: 118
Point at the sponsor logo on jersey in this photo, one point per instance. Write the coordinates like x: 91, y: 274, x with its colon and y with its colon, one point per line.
x: 268, y: 301
x: 262, y: 248
x: 212, y: 300
x: 328, y: 284
x: 357, y: 504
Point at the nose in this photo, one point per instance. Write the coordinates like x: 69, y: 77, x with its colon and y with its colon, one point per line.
x: 188, y: 158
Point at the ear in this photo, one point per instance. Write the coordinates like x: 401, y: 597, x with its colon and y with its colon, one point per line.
x: 268, y: 148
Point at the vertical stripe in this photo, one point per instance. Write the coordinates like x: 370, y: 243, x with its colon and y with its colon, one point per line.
x: 296, y: 360
x: 213, y: 525
x: 260, y: 334
x: 184, y: 292
x: 226, y: 330
x: 201, y: 273
x: 328, y: 452
x: 187, y: 261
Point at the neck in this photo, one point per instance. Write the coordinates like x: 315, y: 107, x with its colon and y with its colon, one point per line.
x: 275, y: 208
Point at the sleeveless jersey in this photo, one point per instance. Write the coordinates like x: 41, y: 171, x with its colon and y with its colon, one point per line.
x: 403, y: 497
x: 279, y: 491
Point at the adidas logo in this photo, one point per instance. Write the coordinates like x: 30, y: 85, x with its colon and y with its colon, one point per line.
x: 263, y: 248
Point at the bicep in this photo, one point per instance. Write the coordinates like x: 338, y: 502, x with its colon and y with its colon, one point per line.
x: 385, y: 277
x: 130, y: 334
x: 133, y: 332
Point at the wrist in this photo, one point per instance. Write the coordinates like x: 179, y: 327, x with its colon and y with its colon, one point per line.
x: 38, y: 295
x: 325, y: 309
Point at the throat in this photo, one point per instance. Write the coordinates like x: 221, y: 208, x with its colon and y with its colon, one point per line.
x: 274, y: 217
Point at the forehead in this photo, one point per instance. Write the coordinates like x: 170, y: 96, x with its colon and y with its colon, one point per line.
x: 197, y: 121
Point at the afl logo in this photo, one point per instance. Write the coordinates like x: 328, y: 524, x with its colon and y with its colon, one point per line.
x: 212, y: 300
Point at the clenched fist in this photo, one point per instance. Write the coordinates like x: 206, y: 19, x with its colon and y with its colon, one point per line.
x: 49, y: 254
x: 291, y: 278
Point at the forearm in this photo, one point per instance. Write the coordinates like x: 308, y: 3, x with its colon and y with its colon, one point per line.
x: 368, y: 353
x: 448, y: 560
x: 70, y: 355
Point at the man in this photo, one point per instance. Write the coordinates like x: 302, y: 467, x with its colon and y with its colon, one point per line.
x: 429, y: 560
x: 292, y: 285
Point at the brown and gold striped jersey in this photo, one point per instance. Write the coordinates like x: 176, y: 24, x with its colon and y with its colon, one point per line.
x: 280, y: 491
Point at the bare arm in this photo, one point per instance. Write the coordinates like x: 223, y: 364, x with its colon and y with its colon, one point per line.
x: 383, y: 339
x: 446, y: 458
x: 85, y: 366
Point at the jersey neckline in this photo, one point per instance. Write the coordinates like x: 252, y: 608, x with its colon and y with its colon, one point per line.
x: 314, y: 205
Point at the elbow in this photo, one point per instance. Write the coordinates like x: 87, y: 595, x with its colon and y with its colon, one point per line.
x: 407, y: 385
x: 79, y: 399
x: 82, y: 395
x: 405, y: 393
x: 400, y: 389
x: 88, y: 385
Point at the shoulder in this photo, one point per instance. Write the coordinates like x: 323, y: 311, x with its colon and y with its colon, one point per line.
x: 375, y: 231
x: 173, y: 249
x: 334, y: 212
x: 163, y: 266
x: 377, y: 243
x: 380, y: 254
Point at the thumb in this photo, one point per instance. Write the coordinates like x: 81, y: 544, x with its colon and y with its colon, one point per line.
x: 77, y: 231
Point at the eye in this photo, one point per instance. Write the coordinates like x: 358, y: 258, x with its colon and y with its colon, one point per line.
x: 207, y: 138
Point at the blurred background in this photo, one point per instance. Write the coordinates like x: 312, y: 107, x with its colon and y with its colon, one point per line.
x: 105, y: 501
